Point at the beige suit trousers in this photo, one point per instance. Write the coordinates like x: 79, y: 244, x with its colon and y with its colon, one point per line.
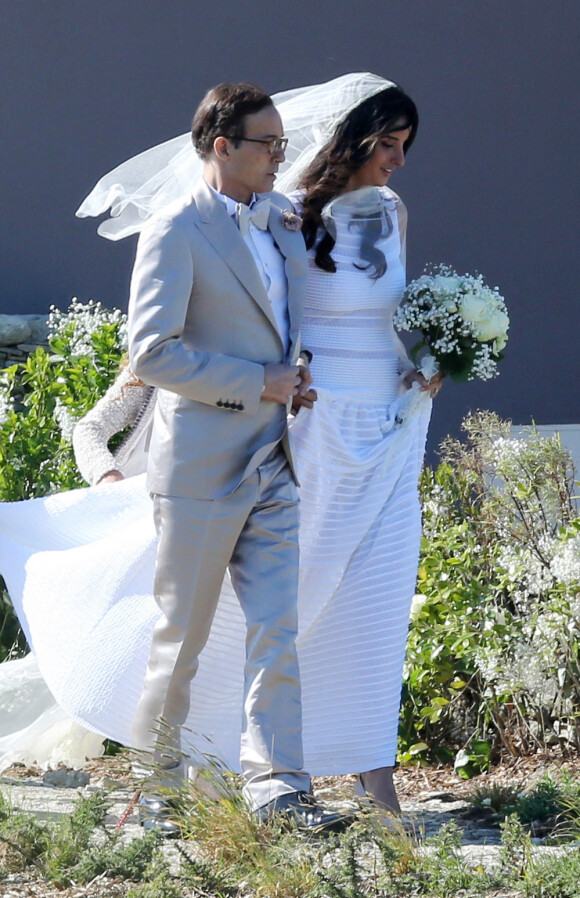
x: 254, y: 531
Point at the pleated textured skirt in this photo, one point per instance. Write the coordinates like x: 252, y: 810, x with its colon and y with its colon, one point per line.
x: 79, y: 569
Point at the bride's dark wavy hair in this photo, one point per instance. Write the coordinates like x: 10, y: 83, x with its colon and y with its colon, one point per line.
x: 350, y: 147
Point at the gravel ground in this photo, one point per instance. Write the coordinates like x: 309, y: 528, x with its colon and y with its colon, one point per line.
x: 430, y: 797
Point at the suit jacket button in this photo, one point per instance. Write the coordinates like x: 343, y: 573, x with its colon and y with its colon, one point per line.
x: 219, y: 402
x: 227, y: 404
x: 240, y: 407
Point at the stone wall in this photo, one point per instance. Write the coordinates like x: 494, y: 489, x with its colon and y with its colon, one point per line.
x: 19, y: 336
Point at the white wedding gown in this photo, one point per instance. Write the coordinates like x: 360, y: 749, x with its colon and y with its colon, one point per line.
x: 79, y: 565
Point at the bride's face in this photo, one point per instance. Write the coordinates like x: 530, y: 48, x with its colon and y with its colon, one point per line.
x: 387, y: 156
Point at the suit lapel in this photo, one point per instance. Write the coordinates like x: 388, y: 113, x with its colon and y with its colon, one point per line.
x: 224, y: 236
x: 294, y: 264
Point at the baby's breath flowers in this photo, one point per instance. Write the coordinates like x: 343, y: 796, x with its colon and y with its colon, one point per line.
x: 463, y: 322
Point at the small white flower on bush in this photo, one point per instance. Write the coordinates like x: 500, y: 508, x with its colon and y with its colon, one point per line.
x: 506, y: 451
x: 417, y: 603
x: 82, y: 320
x: 529, y: 575
x: 65, y: 421
x: 6, y: 406
x: 565, y: 565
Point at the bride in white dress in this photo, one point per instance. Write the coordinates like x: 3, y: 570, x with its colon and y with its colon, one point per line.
x: 79, y: 565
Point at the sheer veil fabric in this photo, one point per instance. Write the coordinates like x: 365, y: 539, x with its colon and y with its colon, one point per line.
x: 137, y: 188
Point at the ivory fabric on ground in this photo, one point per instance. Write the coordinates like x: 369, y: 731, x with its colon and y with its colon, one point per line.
x: 34, y: 729
x: 79, y: 565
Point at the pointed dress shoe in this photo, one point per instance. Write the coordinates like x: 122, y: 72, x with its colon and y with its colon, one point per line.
x: 156, y: 814
x: 302, y: 809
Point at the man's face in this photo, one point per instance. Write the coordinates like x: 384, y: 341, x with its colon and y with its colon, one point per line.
x: 251, y: 167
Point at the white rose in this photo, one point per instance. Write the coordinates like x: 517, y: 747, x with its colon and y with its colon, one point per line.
x: 447, y: 284
x: 493, y: 326
x: 472, y: 308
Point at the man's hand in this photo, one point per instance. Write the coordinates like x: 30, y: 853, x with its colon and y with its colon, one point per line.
x: 281, y: 382
x: 305, y: 397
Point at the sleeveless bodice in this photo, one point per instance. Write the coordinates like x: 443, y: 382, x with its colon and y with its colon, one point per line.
x: 347, y: 322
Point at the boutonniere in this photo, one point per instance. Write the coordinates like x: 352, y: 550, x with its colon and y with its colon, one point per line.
x: 291, y: 221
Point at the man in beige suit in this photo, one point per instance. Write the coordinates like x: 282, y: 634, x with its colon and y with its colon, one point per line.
x: 214, y: 317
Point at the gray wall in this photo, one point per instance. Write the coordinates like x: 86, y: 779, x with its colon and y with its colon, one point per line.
x: 490, y: 183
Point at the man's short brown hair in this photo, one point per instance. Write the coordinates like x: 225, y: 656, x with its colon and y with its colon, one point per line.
x: 221, y: 113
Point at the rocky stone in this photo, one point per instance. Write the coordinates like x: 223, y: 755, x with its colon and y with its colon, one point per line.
x: 66, y: 779
x: 439, y: 796
x: 14, y: 329
x: 38, y: 328
x: 27, y: 348
x: 106, y: 782
x: 11, y: 357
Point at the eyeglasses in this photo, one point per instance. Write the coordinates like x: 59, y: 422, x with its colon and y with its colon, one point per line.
x: 276, y: 145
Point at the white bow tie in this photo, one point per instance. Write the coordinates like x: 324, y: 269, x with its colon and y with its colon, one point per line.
x: 257, y: 215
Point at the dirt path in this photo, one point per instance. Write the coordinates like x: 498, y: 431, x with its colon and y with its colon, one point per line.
x: 430, y: 797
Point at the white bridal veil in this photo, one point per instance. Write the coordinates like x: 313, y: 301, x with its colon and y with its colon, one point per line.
x: 140, y: 186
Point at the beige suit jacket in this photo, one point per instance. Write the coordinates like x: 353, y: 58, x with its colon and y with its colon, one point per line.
x: 201, y: 329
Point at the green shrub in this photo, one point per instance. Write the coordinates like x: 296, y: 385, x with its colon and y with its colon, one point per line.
x: 72, y: 837
x: 42, y: 398
x: 12, y: 641
x: 536, y: 876
x: 549, y: 807
x: 134, y: 861
x: 232, y: 856
x: 159, y: 884
x: 40, y: 401
x: 23, y: 842
x: 492, y: 661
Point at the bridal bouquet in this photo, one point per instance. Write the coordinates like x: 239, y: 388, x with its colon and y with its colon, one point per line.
x: 463, y: 323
